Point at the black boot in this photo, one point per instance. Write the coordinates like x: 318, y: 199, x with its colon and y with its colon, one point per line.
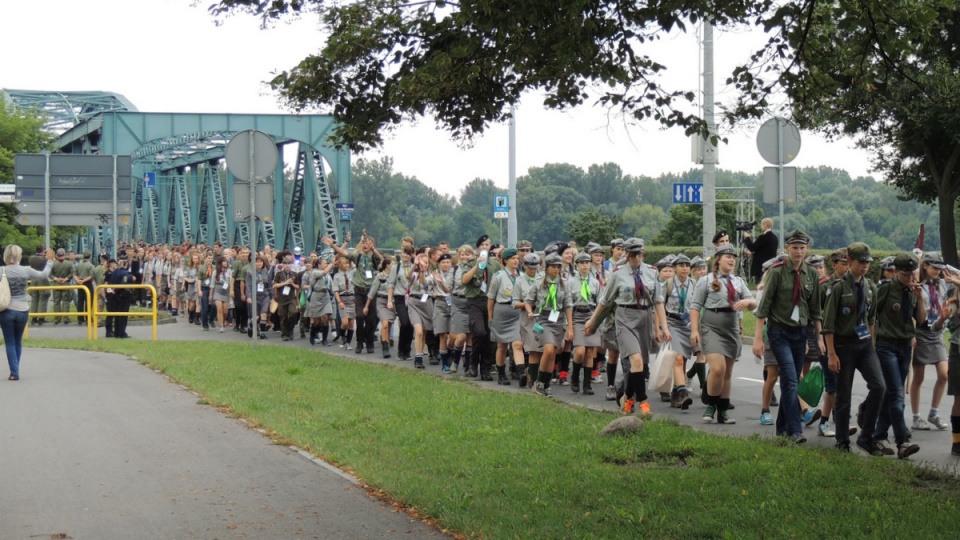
x: 385, y: 345
x: 587, y: 382
x: 575, y: 378
x: 502, y: 379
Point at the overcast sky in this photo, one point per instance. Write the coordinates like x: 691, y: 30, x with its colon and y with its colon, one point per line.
x: 168, y: 56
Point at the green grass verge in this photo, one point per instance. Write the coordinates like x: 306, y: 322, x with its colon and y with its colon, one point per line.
x: 500, y: 465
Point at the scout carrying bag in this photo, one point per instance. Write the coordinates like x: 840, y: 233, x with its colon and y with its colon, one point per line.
x: 811, y: 387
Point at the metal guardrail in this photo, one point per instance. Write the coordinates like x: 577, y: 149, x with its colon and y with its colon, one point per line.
x: 91, y: 325
x: 95, y: 313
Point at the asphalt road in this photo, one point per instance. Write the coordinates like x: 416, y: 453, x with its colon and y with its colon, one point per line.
x: 96, y: 446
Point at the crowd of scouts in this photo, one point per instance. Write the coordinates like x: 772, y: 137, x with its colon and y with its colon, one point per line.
x: 571, y: 318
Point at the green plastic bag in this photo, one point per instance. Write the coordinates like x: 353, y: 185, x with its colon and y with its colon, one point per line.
x: 811, y: 387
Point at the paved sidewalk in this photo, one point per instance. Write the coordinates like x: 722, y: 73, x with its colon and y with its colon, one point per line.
x: 99, y: 446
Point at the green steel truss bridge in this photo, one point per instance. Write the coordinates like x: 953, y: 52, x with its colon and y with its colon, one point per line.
x: 191, y: 196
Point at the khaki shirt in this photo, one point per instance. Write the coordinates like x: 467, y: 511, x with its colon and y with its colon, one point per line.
x: 575, y: 287
x: 777, y: 301
x: 840, y: 316
x: 364, y: 263
x: 890, y: 323
x: 620, y: 289
x: 474, y: 288
x: 503, y: 288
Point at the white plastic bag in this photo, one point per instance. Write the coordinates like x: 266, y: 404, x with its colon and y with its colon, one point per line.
x: 661, y: 369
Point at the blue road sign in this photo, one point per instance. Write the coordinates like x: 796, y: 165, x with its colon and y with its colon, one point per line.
x: 500, y: 203
x: 346, y: 216
x: 347, y: 207
x: 687, y: 193
x: 150, y: 179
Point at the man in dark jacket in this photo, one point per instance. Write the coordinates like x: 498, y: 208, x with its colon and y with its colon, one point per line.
x: 763, y: 248
x: 118, y: 300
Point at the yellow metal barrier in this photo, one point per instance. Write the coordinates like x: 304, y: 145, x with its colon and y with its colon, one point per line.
x: 91, y: 326
x: 152, y: 314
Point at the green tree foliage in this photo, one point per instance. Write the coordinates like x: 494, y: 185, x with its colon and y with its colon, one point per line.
x: 592, y: 226
x: 884, y: 72
x: 20, y: 132
x: 466, y: 63
x: 643, y: 221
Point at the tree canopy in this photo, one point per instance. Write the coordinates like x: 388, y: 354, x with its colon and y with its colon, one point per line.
x: 20, y: 132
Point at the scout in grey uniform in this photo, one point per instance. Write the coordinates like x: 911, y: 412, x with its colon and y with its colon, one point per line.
x: 635, y: 291
x: 397, y: 286
x: 459, y: 316
x: 849, y: 315
x: 554, y: 307
x: 420, y: 306
x: 531, y: 346
x: 344, y: 294
x: 678, y: 294
x: 317, y: 283
x: 442, y: 308
x: 930, y: 349
x: 899, y: 309
x: 377, y: 300
x: 504, y: 316
x: 717, y: 302
x: 585, y: 290
x: 258, y: 283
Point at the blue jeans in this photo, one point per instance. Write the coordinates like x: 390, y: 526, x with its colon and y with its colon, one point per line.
x: 894, y: 359
x: 12, y: 323
x: 788, y: 346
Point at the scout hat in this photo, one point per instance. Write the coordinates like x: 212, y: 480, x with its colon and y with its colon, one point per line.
x: 906, y: 262
x: 596, y: 248
x: 617, y: 242
x: 552, y: 260
x: 665, y: 262
x: 582, y: 257
x: 681, y: 259
x: 633, y: 245
x: 858, y: 251
x: 815, y: 260
x: 697, y: 262
x: 797, y: 236
x: 725, y: 250
x: 934, y: 259
x: 886, y: 263
x: 532, y: 260
x: 839, y: 255
x: 524, y: 244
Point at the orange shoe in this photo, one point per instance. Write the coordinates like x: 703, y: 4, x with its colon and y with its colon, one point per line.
x: 644, y: 408
x: 628, y: 406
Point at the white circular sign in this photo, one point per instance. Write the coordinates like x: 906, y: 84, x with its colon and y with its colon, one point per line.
x: 264, y: 159
x: 774, y: 134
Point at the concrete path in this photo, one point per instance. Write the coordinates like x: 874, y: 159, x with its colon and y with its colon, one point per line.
x: 98, y: 446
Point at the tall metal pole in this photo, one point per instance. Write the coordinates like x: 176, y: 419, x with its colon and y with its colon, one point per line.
x: 512, y: 179
x: 116, y: 227
x: 251, y: 287
x: 709, y: 197
x: 46, y: 203
x: 780, y: 122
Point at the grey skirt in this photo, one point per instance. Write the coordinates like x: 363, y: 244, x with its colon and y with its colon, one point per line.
x: 441, y: 315
x: 319, y: 305
x: 553, y: 333
x: 221, y: 295
x: 633, y: 331
x: 420, y: 313
x: 930, y: 348
x: 680, y: 334
x: 581, y: 339
x: 191, y: 291
x: 719, y: 333
x: 349, y: 309
x: 506, y: 324
x: 383, y: 313
x: 459, y: 317
x: 530, y: 342
x: 263, y: 302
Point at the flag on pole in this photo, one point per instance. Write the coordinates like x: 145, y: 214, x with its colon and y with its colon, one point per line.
x: 919, y: 244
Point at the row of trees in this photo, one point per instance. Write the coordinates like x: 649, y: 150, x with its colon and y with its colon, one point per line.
x: 562, y: 201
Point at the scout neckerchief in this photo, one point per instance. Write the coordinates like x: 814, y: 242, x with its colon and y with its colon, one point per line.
x: 731, y: 291
x: 934, y: 299
x: 585, y: 287
x: 862, y: 298
x: 639, y: 291
x: 681, y: 292
x: 551, y: 296
x: 797, y: 281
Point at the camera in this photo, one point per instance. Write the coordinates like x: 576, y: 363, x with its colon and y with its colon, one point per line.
x: 746, y: 226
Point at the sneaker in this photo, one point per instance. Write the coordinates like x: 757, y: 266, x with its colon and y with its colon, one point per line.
x: 708, y: 414
x: 540, y: 390
x: 921, y: 424
x: 811, y: 416
x: 884, y: 446
x: 562, y: 381
x: 418, y: 363
x: 445, y: 369
x: 611, y: 393
x: 869, y: 447
x: 826, y: 430
x: 766, y: 419
x: 685, y: 400
x: 798, y: 439
x: 937, y: 422
x: 642, y: 408
x: 724, y: 418
x: 906, y: 450
x: 596, y: 377
x: 628, y: 405
x: 453, y: 368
